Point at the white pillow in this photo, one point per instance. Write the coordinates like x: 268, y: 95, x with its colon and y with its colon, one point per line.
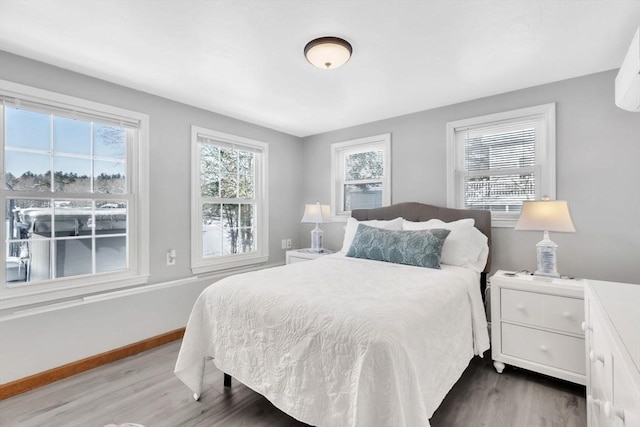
x: 352, y: 226
x: 465, y: 246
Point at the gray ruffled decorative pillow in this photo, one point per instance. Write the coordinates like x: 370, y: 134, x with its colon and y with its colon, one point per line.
x: 421, y: 248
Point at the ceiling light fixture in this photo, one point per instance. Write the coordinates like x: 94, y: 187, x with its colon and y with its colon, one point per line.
x: 328, y: 52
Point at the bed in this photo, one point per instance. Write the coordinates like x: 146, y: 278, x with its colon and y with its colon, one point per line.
x: 345, y: 341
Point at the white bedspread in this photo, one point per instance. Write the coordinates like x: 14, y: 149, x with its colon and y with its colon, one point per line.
x: 340, y: 341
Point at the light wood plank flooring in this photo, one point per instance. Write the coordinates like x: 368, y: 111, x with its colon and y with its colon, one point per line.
x: 142, y: 389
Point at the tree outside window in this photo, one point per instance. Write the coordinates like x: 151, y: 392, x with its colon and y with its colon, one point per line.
x: 75, y: 190
x: 227, y: 183
x: 51, y: 235
x: 229, y: 201
x: 361, y: 175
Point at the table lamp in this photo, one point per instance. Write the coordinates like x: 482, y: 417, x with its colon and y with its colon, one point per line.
x: 316, y: 213
x: 546, y: 215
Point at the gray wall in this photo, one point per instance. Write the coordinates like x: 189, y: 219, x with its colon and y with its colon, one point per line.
x: 598, y: 150
x: 72, y: 334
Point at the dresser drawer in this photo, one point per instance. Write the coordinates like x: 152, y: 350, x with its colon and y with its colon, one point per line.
x: 542, y: 310
x: 599, y: 358
x: 612, y: 333
x: 625, y: 410
x: 548, y: 348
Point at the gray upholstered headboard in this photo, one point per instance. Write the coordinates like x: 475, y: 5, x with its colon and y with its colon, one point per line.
x: 413, y: 211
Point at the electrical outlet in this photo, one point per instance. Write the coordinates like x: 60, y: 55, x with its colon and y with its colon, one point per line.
x: 171, y: 257
x: 288, y: 243
x: 284, y: 243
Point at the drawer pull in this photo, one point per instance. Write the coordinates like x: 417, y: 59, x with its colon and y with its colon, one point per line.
x: 520, y: 307
x: 566, y: 314
x: 544, y: 348
x: 593, y: 356
x: 586, y: 327
x: 612, y: 412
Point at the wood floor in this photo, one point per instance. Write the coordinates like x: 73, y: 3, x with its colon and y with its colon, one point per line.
x: 142, y: 389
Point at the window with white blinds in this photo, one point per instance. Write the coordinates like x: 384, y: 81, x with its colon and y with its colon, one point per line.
x: 496, y: 162
x: 360, y: 174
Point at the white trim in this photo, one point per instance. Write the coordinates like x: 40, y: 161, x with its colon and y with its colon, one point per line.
x: 67, y: 102
x: 545, y: 169
x: 221, y: 274
x: 199, y: 264
x: 141, y: 197
x: 138, y: 206
x: 76, y: 286
x: 94, y: 298
x: 505, y: 117
x: 229, y: 264
x: 338, y: 152
x: 90, y: 299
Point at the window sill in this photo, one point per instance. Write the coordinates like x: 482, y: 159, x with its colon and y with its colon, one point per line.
x: 228, y: 265
x: 342, y: 217
x: 37, y: 294
x: 503, y: 221
x: 37, y: 309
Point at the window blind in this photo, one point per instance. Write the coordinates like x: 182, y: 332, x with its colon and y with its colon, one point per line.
x: 70, y: 113
x: 499, y: 167
x: 204, y: 139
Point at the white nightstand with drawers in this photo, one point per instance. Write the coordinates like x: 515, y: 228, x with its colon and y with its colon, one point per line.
x: 536, y: 324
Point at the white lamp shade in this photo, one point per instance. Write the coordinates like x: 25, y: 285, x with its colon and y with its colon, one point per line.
x: 546, y: 215
x: 328, y: 52
x: 316, y: 213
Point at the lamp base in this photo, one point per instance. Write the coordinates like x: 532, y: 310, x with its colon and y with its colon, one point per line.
x: 546, y: 251
x: 316, y: 240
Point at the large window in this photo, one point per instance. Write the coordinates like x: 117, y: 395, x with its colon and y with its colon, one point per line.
x: 496, y: 162
x: 72, y: 181
x: 229, y: 219
x: 361, y: 174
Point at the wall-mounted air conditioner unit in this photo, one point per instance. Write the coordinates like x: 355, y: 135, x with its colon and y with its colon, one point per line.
x: 628, y: 78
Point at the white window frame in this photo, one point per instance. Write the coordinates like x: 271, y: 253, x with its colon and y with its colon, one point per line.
x: 339, y: 151
x: 137, y: 210
x: 200, y: 264
x: 545, y: 155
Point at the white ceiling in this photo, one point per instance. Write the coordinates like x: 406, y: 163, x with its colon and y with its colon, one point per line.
x: 244, y: 58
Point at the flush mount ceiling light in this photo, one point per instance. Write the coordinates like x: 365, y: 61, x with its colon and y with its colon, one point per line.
x: 328, y: 52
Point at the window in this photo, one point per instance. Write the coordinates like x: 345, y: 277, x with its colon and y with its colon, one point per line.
x: 74, y: 188
x: 229, y: 195
x: 361, y: 174
x: 496, y: 162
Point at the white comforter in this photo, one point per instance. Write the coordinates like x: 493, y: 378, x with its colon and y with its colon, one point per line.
x: 340, y: 341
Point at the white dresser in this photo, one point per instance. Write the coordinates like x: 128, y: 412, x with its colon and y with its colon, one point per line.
x: 612, y: 327
x: 536, y: 325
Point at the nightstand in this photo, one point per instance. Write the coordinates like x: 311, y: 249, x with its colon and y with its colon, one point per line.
x: 536, y: 324
x: 298, y: 255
